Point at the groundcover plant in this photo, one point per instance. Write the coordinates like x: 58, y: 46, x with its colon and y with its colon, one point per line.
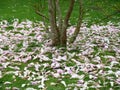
x: 28, y: 62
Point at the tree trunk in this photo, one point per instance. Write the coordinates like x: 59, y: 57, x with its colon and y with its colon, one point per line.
x: 63, y: 38
x: 52, y: 17
x: 80, y: 18
x: 58, y: 30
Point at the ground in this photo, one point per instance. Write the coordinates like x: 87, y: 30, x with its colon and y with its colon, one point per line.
x: 27, y: 62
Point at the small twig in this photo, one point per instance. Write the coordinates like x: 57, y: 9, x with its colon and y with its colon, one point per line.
x: 40, y: 14
x: 108, y: 16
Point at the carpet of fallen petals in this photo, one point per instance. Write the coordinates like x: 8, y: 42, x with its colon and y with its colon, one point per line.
x: 92, y: 62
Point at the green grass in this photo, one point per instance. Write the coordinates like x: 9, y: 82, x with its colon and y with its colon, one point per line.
x: 15, y: 82
x: 95, y: 10
x: 10, y: 9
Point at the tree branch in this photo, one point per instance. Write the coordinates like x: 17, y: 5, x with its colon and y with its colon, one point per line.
x: 40, y: 14
x: 107, y: 17
x: 67, y: 17
x: 59, y: 15
x: 81, y: 12
x: 63, y: 38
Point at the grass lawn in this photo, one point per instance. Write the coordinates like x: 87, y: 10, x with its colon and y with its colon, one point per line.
x: 10, y: 9
x: 94, y: 12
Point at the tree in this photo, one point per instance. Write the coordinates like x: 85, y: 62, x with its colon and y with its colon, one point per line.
x: 59, y: 26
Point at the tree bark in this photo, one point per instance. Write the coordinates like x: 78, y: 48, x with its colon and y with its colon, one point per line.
x: 59, y: 29
x: 52, y: 17
x: 81, y: 12
x: 63, y: 38
x: 59, y: 15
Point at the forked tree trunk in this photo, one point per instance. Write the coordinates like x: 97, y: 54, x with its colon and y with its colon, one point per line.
x: 59, y: 29
x: 59, y: 33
